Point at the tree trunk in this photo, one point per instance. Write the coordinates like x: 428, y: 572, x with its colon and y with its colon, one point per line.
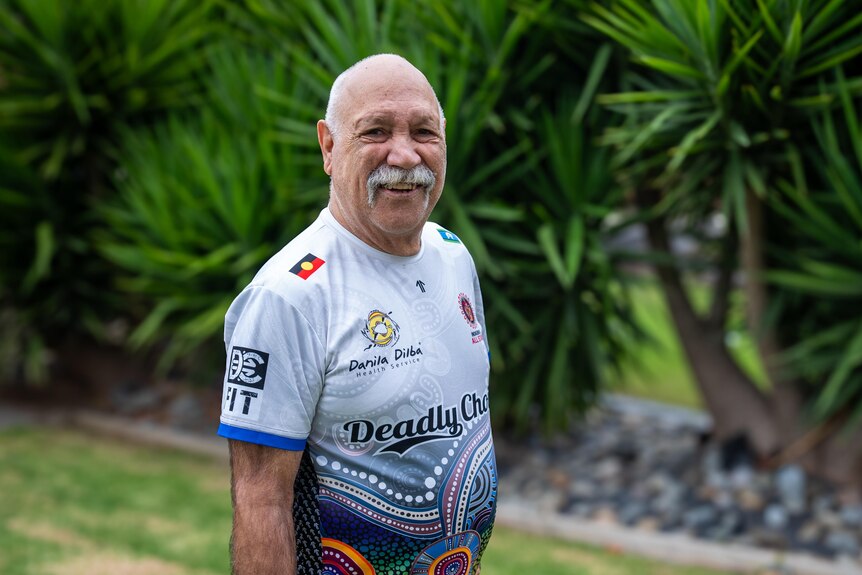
x: 774, y: 425
x: 736, y: 405
x: 839, y: 460
x: 785, y: 400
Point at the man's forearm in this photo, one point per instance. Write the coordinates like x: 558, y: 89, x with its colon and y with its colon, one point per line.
x: 263, y: 541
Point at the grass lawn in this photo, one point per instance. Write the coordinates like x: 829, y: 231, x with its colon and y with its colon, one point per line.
x: 75, y: 504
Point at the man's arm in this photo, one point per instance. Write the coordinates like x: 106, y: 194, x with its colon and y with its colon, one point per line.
x: 262, y: 479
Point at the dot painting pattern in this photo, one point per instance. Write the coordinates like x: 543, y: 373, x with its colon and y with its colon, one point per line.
x: 439, y: 528
x: 342, y: 559
x: 451, y: 555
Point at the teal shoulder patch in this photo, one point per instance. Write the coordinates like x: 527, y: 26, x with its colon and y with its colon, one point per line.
x: 448, y: 236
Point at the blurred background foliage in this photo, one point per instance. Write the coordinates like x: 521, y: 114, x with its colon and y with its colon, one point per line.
x: 153, y: 154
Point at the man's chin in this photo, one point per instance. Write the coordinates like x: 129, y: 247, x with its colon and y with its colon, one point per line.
x: 398, y: 222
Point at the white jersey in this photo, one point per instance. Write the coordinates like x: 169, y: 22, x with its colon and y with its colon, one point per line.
x: 377, y: 366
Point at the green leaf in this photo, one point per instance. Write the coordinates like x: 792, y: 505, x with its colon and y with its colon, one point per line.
x: 691, y: 139
x: 645, y: 97
x: 739, y: 56
x: 670, y: 67
x: 734, y: 191
x: 793, y: 42
x: 148, y: 329
x: 811, y: 284
x: 830, y: 62
x: 574, y: 247
x: 548, y: 242
x: 597, y: 70
x: 850, y: 360
x: 45, y: 250
x: 495, y: 212
x: 769, y: 22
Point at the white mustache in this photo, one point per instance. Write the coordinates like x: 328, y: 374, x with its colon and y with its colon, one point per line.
x: 387, y: 176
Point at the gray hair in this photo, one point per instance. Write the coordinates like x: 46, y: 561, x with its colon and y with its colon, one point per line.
x: 332, y: 119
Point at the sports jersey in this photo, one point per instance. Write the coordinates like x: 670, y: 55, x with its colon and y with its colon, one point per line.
x: 377, y: 367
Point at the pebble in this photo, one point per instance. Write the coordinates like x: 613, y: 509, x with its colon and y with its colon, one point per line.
x: 645, y: 466
x: 750, y: 500
x: 810, y: 532
x: 700, y: 516
x: 843, y: 543
x: 605, y: 515
x: 790, y: 483
x: 852, y: 515
x: 775, y: 517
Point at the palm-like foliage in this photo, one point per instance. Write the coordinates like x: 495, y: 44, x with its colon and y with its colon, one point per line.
x: 818, y: 259
x: 22, y: 276
x: 721, y: 90
x: 203, y: 203
x: 721, y: 93
x: 77, y: 71
x: 73, y: 75
x: 563, y: 317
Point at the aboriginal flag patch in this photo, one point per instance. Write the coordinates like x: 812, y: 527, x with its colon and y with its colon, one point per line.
x: 307, y: 266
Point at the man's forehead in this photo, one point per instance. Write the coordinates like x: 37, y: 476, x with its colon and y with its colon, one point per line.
x: 388, y: 93
x: 418, y: 114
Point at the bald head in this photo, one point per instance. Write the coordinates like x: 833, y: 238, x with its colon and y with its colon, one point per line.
x: 379, y: 70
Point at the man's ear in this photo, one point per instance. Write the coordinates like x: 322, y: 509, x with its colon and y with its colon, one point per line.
x: 324, y: 138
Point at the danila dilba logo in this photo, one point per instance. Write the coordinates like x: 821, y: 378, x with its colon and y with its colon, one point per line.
x: 380, y: 330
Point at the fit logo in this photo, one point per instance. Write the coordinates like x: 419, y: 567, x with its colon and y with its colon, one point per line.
x: 240, y: 402
x: 247, y: 367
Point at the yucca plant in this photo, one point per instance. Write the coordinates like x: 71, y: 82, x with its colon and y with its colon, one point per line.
x: 25, y: 202
x: 567, y: 318
x: 73, y: 75
x: 203, y: 202
x: 189, y: 233
x: 717, y: 103
x: 76, y: 72
x: 817, y: 264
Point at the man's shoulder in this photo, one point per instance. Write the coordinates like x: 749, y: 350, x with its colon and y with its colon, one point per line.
x: 437, y: 235
x: 299, y: 265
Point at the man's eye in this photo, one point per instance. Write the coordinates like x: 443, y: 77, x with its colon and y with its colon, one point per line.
x: 374, y: 132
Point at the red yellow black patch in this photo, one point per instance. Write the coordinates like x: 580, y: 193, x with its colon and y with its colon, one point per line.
x: 307, y: 266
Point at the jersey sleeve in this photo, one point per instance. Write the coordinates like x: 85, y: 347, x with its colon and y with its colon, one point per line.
x: 480, y: 307
x: 274, y: 373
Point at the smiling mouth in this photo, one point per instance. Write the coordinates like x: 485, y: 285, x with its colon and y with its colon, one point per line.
x: 401, y: 187
x: 400, y: 182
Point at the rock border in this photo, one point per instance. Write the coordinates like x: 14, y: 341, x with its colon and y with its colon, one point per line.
x: 152, y: 435
x: 673, y: 548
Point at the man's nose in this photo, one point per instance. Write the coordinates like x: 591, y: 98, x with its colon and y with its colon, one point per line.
x: 402, y: 152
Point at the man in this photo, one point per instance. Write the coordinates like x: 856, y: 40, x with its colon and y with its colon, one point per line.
x: 356, y: 394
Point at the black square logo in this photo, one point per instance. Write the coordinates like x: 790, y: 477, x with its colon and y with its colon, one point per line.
x: 247, y: 367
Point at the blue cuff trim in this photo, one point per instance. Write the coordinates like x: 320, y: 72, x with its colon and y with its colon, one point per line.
x: 261, y: 438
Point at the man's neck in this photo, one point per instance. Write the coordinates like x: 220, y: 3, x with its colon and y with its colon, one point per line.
x: 397, y: 245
